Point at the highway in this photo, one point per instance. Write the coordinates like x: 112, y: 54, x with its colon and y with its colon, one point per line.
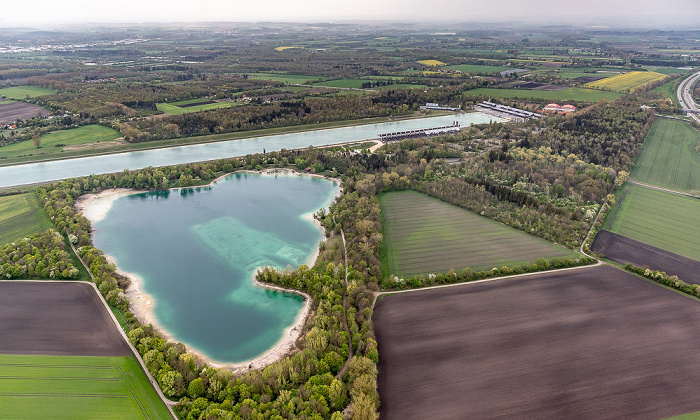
x: 685, y: 96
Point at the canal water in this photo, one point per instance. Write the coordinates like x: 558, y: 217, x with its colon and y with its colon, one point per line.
x: 31, y: 173
x: 196, y: 250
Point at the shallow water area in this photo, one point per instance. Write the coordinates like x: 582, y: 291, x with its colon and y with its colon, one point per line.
x: 195, y: 252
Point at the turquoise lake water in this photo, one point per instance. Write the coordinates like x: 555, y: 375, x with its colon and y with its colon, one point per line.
x: 15, y: 175
x: 196, y: 250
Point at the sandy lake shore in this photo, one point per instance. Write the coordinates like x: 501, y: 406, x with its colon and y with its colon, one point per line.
x: 96, y: 206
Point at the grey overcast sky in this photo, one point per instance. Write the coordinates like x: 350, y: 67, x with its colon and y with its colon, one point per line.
x: 652, y: 13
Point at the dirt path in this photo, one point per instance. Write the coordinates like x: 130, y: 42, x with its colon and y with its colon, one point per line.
x: 345, y: 310
x: 631, y: 181
x: 376, y: 146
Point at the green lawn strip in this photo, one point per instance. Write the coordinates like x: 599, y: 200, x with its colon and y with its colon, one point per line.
x: 574, y: 94
x: 689, y: 416
x: 121, y: 318
x: 174, y: 109
x: 669, y: 158
x: 664, y: 220
x: 76, y: 387
x: 477, y: 68
x: 21, y: 92
x: 664, y: 70
x: 424, y: 235
x: 51, y: 142
x: 21, y: 215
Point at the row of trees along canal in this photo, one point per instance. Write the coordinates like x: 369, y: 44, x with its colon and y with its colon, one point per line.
x: 546, y: 177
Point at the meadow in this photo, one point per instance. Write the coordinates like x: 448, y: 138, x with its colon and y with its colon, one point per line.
x: 570, y: 94
x: 669, y: 158
x: 76, y: 387
x: 22, y: 92
x: 478, y: 69
x: 668, y: 90
x: 191, y: 105
x: 626, y: 82
x: 53, y: 143
x: 664, y: 220
x: 21, y: 215
x: 424, y: 235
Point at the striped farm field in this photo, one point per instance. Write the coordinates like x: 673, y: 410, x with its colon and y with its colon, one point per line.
x: 669, y: 158
x: 424, y: 235
x: 76, y: 387
x: 21, y: 215
x: 626, y: 82
x: 661, y: 219
x: 191, y: 105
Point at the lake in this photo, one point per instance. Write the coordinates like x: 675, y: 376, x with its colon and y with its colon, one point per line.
x: 30, y: 173
x: 196, y: 250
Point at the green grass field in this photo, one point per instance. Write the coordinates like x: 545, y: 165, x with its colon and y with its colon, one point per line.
x: 50, y: 142
x: 76, y: 387
x: 570, y: 94
x: 21, y: 215
x: 425, y: 235
x: 176, y: 108
x: 668, y: 158
x: 21, y: 92
x: 669, y: 90
x: 664, y: 220
x: 292, y: 79
x: 479, y: 69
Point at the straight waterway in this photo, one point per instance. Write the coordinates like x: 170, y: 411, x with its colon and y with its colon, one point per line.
x: 32, y: 173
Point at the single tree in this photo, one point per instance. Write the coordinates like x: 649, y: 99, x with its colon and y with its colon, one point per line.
x: 36, y: 139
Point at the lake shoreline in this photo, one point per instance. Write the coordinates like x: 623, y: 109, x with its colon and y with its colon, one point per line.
x: 96, y: 206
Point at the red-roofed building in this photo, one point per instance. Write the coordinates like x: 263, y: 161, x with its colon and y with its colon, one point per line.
x: 551, y: 108
x: 566, y: 109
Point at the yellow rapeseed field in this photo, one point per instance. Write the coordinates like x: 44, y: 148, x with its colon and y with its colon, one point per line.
x: 432, y: 63
x: 284, y: 48
x: 626, y: 82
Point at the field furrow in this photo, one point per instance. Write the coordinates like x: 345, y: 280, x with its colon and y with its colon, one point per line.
x: 424, y: 235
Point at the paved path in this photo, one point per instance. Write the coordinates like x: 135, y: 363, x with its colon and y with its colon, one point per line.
x: 685, y: 96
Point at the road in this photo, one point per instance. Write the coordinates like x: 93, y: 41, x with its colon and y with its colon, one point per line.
x: 685, y: 96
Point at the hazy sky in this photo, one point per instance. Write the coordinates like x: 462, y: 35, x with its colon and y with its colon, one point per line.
x: 653, y: 13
